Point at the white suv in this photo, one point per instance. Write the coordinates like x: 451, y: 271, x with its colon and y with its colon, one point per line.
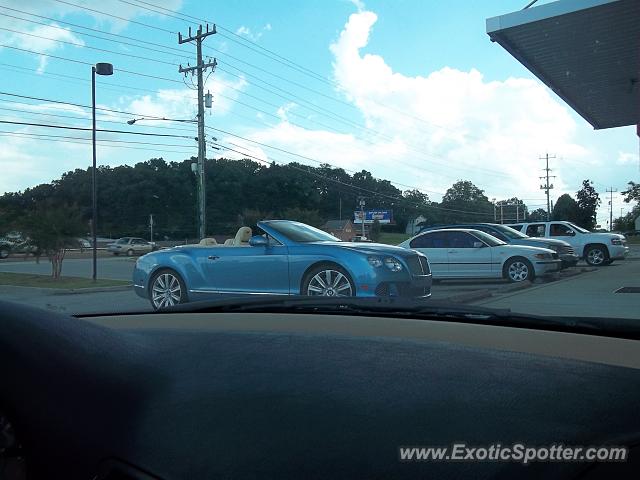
x: 595, y: 248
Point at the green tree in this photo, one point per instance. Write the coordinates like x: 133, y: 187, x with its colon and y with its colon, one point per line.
x: 310, y: 217
x: 538, y: 215
x: 588, y: 202
x: 566, y: 208
x: 632, y: 193
x: 463, y: 201
x: 52, y: 229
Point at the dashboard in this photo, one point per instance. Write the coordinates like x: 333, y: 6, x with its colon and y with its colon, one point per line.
x: 251, y: 395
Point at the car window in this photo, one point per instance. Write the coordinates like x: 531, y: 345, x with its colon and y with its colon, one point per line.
x: 460, y: 240
x: 517, y: 227
x: 491, y: 231
x: 488, y: 239
x: 577, y: 228
x: 430, y: 240
x: 535, y: 230
x: 560, y: 230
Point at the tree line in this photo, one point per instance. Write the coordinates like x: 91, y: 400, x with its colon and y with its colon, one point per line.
x: 241, y: 192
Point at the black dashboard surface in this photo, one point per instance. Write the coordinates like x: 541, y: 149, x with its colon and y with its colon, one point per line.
x: 188, y: 403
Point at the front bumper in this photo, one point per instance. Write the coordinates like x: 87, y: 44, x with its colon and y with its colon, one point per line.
x: 418, y: 288
x: 569, y: 259
x: 546, y: 267
x: 618, y: 252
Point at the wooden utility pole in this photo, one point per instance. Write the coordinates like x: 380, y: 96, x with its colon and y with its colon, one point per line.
x: 200, y: 67
x: 546, y: 187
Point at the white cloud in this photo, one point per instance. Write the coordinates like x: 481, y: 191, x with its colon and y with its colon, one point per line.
x: 42, y: 38
x: 626, y: 158
x: 248, y: 33
x: 442, y: 126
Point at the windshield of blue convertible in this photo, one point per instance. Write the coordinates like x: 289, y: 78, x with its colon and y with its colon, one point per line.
x: 301, y: 233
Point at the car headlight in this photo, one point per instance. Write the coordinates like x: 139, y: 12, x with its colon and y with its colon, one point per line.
x: 392, y: 264
x: 543, y: 256
x: 375, y: 261
x: 616, y: 241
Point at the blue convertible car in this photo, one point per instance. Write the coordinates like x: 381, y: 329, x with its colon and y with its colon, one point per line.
x: 287, y: 258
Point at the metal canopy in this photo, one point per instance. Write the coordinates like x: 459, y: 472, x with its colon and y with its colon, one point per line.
x: 586, y: 51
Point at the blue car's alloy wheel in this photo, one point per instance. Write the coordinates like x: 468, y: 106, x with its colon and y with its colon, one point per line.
x: 167, y: 290
x: 329, y: 282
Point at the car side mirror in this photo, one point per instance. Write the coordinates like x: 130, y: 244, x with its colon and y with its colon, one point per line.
x: 478, y: 244
x: 258, y: 241
x: 571, y: 233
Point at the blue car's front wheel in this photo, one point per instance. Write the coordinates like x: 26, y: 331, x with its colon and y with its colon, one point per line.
x: 166, y: 289
x: 328, y: 281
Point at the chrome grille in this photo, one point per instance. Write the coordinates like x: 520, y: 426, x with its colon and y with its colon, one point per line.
x: 425, y: 265
x: 566, y: 249
x: 415, y: 267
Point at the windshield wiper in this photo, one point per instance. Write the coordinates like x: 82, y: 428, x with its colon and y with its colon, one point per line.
x: 410, y: 309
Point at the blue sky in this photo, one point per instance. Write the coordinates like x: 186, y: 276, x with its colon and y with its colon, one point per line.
x: 412, y: 91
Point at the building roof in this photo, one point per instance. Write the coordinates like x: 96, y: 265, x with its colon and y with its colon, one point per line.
x: 336, y: 224
x: 586, y: 51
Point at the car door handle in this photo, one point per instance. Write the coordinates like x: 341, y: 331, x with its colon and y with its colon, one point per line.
x: 213, y: 257
x: 452, y: 251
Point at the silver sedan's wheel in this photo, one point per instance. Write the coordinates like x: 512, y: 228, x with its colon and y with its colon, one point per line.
x: 329, y: 282
x: 519, y: 270
x: 167, y: 290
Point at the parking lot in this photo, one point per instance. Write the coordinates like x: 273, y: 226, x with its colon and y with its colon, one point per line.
x: 564, y: 294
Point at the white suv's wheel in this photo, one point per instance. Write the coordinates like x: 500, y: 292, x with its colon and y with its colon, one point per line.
x: 597, y: 255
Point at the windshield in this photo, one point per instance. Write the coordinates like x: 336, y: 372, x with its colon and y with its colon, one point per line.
x: 348, y: 121
x: 488, y: 239
x: 510, y: 233
x: 301, y: 233
x: 578, y: 229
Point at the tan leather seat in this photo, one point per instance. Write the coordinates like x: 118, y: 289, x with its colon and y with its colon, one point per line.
x: 242, y: 237
x: 208, y: 242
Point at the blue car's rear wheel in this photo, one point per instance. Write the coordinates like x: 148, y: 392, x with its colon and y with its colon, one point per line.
x: 328, y: 281
x: 166, y: 289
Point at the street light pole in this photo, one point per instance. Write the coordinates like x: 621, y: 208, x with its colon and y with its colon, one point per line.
x: 100, y: 69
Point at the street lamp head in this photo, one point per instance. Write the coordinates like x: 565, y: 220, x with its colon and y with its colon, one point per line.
x: 104, y: 69
x: 132, y: 121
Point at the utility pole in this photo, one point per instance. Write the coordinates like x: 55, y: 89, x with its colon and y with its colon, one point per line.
x: 151, y: 226
x: 200, y: 67
x: 546, y: 187
x: 362, y: 204
x: 611, y: 190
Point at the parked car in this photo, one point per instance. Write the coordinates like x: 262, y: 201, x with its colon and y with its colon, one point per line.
x: 360, y: 238
x: 16, y: 244
x: 595, y: 248
x: 514, y: 237
x: 130, y: 246
x: 470, y: 253
x: 5, y: 249
x: 83, y: 243
x: 286, y: 258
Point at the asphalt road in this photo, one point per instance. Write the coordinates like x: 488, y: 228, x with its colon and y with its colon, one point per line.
x: 588, y: 293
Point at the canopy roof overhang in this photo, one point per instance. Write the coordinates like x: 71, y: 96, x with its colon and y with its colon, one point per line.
x: 586, y: 51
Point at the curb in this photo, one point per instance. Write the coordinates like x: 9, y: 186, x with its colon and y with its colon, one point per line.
x: 79, y: 291
x: 486, y: 293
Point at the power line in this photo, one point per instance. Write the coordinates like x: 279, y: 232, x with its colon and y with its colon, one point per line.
x: 66, y: 127
x: 116, y: 16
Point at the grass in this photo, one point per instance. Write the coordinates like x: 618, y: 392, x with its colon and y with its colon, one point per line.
x: 46, y: 281
x: 392, y: 238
